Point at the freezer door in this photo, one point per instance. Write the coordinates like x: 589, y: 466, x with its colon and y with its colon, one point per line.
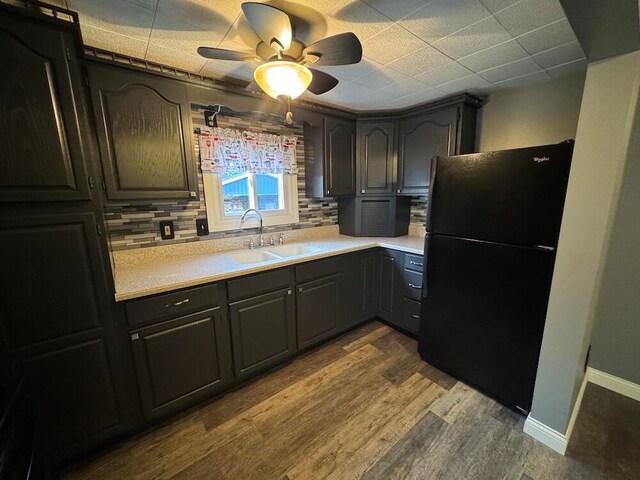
x: 511, y: 196
x: 483, y: 314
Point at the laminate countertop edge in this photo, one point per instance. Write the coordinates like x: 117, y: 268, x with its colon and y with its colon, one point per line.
x: 152, y: 278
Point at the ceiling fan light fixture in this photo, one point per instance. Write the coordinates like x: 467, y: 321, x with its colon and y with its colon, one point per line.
x: 283, y: 78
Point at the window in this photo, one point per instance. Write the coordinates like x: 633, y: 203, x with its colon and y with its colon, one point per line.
x: 229, y: 195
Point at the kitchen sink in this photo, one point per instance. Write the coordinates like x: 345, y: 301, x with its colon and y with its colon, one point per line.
x: 253, y: 256
x: 292, y: 250
x: 268, y: 254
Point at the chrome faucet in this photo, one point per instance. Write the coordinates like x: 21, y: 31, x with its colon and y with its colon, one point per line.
x: 261, y: 238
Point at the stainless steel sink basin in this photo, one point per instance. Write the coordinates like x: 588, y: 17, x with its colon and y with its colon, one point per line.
x: 253, y: 256
x: 292, y: 250
x: 268, y: 254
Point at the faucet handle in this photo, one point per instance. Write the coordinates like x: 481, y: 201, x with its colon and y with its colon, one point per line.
x: 251, y: 244
x: 281, y: 239
x: 272, y: 240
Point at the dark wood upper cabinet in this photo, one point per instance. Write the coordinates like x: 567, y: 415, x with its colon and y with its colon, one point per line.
x: 340, y: 145
x: 420, y: 139
x: 42, y: 156
x: 376, y: 152
x: 144, y: 134
x: 330, y: 158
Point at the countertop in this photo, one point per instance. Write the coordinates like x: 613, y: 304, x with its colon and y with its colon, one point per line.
x: 171, y: 274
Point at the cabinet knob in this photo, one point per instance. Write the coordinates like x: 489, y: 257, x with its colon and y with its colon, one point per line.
x: 413, y: 285
x: 289, y: 292
x: 399, y: 190
x: 177, y: 304
x: 362, y: 191
x: 135, y: 336
x: 416, y: 316
x: 192, y: 194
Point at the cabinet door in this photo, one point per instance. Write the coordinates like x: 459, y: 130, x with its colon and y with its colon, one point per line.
x: 368, y: 305
x: 42, y: 151
x: 340, y: 158
x: 375, y: 157
x: 144, y: 134
x: 263, y: 331
x: 420, y: 139
x: 317, y: 310
x: 56, y: 329
x: 390, y: 285
x: 181, y: 362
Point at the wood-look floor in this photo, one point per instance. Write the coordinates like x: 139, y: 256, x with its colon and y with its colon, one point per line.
x: 363, y: 406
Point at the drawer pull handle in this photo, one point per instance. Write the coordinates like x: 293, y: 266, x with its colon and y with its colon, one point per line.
x: 413, y: 285
x: 177, y: 304
x: 415, y: 263
x: 416, y: 316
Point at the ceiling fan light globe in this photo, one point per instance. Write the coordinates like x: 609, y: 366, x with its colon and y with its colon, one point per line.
x: 283, y: 78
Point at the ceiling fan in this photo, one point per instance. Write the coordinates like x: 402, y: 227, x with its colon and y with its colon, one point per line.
x: 286, y: 73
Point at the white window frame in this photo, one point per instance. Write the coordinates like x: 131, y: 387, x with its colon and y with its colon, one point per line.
x: 219, y: 222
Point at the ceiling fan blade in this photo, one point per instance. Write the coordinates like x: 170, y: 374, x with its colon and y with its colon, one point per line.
x: 321, y: 82
x: 253, y: 86
x: 270, y: 23
x: 341, y: 49
x: 223, y: 54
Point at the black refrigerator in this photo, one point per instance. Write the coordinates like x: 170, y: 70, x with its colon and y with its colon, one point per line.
x: 493, y: 222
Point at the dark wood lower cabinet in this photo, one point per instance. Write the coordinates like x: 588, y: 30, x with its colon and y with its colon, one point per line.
x: 181, y: 361
x: 263, y: 331
x: 317, y: 313
x: 390, y: 268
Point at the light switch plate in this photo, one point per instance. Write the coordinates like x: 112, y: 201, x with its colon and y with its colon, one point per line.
x: 202, y: 227
x: 166, y: 230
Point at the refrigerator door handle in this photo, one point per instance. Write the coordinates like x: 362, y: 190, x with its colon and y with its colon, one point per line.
x: 424, y: 266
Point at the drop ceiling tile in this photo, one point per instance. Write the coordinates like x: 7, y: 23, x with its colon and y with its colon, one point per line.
x: 203, y: 13
x: 349, y: 72
x: 471, y: 84
x: 559, y: 55
x: 356, y: 17
x: 444, y: 17
x: 420, y: 61
x: 568, y: 68
x: 529, y: 15
x: 496, y: 5
x: 443, y: 74
x: 178, y: 35
x: 183, y: 60
x: 380, y: 78
x: 492, y: 57
x: 396, y: 10
x: 479, y: 36
x: 384, y: 47
x: 108, y: 40
x: 148, y: 4
x: 549, y: 36
x: 119, y: 16
x: 518, y: 68
x: 524, y: 81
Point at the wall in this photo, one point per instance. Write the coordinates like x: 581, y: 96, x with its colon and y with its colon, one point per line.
x: 136, y: 224
x: 615, y: 342
x: 602, y: 139
x: 535, y: 115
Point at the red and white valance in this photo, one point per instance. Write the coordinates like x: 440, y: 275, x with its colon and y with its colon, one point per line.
x: 225, y: 150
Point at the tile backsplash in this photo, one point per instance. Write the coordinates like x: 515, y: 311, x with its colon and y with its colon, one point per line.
x: 136, y: 224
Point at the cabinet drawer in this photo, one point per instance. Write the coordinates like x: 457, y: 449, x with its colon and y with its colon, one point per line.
x: 413, y: 262
x: 147, y: 310
x: 259, y: 283
x: 319, y: 268
x: 412, y: 284
x: 411, y: 315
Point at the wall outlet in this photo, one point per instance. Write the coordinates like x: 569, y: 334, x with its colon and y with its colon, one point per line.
x: 202, y: 227
x: 166, y: 230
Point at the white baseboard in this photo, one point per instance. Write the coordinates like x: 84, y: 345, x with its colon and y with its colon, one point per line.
x: 556, y: 440
x: 616, y: 384
x: 551, y: 438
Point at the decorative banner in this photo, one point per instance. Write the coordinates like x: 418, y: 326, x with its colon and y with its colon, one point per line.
x: 224, y: 150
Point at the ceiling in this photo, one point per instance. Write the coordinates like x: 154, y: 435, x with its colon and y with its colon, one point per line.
x: 414, y: 50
